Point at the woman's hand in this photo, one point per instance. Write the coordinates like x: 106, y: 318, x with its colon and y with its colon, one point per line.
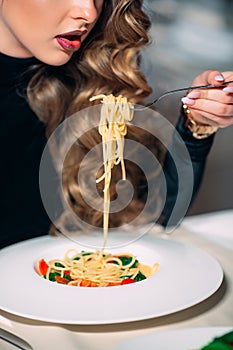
x: 212, y: 106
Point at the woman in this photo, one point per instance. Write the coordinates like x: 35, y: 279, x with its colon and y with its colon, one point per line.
x: 55, y: 55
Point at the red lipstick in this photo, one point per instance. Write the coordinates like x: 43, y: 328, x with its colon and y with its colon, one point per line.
x: 71, y: 40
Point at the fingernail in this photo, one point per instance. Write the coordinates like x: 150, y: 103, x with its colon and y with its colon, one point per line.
x: 228, y: 89
x: 219, y: 78
x: 194, y: 94
x: 187, y: 101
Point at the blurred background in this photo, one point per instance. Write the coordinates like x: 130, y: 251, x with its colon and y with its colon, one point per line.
x: 189, y: 37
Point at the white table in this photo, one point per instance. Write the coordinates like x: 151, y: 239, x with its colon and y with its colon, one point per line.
x: 215, y: 226
x: 212, y: 232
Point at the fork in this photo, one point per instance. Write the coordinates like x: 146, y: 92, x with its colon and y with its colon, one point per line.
x: 15, y: 340
x: 210, y: 86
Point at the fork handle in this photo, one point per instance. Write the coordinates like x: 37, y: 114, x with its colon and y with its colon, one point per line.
x: 199, y: 87
x: 141, y: 108
x: 209, y: 86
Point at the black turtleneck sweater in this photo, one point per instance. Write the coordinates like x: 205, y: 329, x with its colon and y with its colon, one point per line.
x: 22, y: 140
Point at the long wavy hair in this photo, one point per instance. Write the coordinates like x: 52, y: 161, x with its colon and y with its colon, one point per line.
x: 108, y: 62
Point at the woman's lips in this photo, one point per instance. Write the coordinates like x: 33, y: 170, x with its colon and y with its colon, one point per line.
x: 71, y: 43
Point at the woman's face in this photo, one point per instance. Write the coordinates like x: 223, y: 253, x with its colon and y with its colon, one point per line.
x: 50, y: 30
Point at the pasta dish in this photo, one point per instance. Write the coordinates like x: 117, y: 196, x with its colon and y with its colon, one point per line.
x: 95, y: 269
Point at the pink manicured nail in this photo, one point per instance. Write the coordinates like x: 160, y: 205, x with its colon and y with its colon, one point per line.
x: 194, y: 94
x: 228, y: 89
x: 219, y: 78
x: 187, y: 101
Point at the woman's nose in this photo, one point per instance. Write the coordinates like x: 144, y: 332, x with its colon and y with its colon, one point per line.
x: 85, y: 9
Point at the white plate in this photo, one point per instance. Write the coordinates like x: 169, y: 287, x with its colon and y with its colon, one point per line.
x: 180, y: 339
x: 186, y: 277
